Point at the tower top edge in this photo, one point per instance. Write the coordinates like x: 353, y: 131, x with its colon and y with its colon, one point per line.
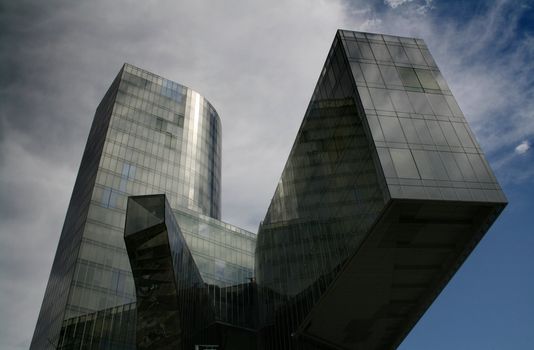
x: 373, y: 35
x: 131, y: 67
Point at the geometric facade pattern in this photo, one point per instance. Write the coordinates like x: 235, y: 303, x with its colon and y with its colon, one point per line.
x: 175, y: 308
x: 384, y: 194
x: 149, y: 135
x: 172, y: 303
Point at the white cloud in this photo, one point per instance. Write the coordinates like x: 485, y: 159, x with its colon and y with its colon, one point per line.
x: 523, y: 147
x: 395, y: 3
x: 419, y: 7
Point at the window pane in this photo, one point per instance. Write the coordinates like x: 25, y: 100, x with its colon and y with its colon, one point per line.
x: 371, y: 73
x: 449, y: 133
x: 420, y: 103
x: 439, y: 104
x: 365, y: 97
x: 387, y: 164
x: 357, y: 72
x: 125, y: 169
x: 439, y: 79
x: 398, y: 54
x: 437, y: 166
x: 131, y: 171
x: 428, y: 58
x: 479, y: 168
x: 106, y: 192
x: 400, y: 101
x: 450, y: 165
x: 381, y: 99
x: 404, y: 164
x: 429, y: 165
x: 391, y: 129
x: 422, y: 132
x: 463, y: 135
x: 465, y: 166
x: 409, y: 130
x: 381, y: 52
x: 427, y: 79
x: 390, y: 75
x: 114, y: 200
x: 408, y: 77
x: 415, y: 56
x: 160, y: 124
x: 423, y: 164
x: 454, y: 106
x: 365, y: 51
x: 168, y: 140
x: 375, y: 128
x: 179, y: 120
x: 437, y: 134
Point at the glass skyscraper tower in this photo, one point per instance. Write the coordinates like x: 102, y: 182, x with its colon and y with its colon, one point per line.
x: 384, y: 195
x: 149, y: 135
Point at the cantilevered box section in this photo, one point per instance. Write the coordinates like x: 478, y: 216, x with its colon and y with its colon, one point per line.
x: 384, y: 195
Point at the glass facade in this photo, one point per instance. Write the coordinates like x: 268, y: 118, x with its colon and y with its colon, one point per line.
x: 223, y: 252
x: 149, y: 135
x: 176, y: 305
x: 425, y: 146
x: 384, y: 194
x: 329, y: 195
x: 171, y: 299
x: 65, y: 265
x: 224, y: 256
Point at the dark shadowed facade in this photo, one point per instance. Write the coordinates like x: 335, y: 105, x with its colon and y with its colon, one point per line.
x: 384, y: 195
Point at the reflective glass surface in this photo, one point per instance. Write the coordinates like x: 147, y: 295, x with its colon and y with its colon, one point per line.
x: 328, y: 196
x: 426, y: 148
x: 382, y: 127
x: 384, y: 194
x: 223, y: 252
x: 149, y: 135
x: 65, y: 266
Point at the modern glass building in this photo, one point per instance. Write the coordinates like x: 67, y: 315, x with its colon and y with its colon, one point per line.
x: 384, y: 195
x: 149, y: 135
x: 176, y: 307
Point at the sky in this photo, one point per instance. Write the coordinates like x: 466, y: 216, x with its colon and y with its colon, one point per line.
x: 258, y: 62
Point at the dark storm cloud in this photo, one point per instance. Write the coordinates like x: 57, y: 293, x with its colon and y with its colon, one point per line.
x: 48, y: 90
